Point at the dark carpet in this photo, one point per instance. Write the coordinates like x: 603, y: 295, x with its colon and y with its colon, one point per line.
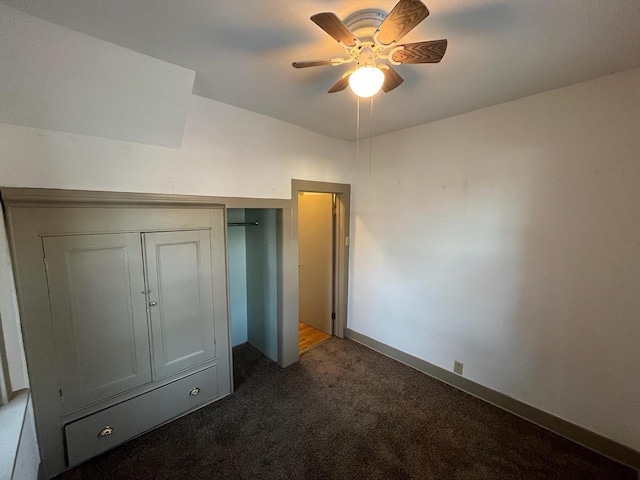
x: 347, y: 412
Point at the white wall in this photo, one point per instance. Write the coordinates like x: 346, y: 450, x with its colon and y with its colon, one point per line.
x: 92, y: 87
x: 226, y: 151
x: 57, y: 79
x: 509, y: 238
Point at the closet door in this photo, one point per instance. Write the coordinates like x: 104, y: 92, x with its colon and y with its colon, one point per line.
x: 179, y: 276
x: 99, y: 315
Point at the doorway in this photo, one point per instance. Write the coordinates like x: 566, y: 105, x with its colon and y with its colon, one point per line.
x: 316, y: 267
x: 321, y: 213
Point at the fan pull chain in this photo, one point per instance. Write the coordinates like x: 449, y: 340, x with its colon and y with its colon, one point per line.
x: 357, y: 131
x: 370, y: 134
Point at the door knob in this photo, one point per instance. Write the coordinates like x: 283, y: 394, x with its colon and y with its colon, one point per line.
x: 153, y: 304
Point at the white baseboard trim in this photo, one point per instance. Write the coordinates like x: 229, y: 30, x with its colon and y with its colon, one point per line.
x: 591, y: 440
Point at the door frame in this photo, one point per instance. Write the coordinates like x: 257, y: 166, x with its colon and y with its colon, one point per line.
x: 342, y: 192
x: 287, y: 312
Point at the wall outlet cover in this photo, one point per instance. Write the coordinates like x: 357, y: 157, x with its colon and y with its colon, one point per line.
x: 457, y: 367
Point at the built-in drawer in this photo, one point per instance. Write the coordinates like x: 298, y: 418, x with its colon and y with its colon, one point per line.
x: 103, y: 430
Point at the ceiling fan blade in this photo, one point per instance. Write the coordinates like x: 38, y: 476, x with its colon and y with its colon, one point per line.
x: 312, y: 63
x: 342, y: 83
x: 391, y: 78
x: 331, y: 23
x: 404, y: 17
x: 421, y: 52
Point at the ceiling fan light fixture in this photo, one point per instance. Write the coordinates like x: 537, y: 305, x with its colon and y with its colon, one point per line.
x: 370, y: 36
x: 366, y: 81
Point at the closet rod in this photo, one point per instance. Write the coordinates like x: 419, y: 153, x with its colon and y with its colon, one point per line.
x: 243, y: 224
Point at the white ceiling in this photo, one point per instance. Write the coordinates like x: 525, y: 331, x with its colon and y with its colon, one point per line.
x: 499, y: 50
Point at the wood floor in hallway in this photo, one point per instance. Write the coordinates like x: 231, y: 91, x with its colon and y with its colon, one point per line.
x: 309, y: 336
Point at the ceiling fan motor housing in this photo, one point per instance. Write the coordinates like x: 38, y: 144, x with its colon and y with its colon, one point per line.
x: 364, y: 23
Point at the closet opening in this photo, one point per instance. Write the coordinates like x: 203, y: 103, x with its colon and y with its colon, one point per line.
x: 252, y: 238
x: 263, y: 269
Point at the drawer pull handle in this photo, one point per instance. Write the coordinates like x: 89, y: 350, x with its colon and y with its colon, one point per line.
x: 105, y: 432
x: 194, y: 392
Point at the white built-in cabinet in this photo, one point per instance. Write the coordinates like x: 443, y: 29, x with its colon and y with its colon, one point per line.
x: 124, y: 311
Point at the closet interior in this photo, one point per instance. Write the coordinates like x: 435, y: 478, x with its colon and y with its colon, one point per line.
x: 253, y: 278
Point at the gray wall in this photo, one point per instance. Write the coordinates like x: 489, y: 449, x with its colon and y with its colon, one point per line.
x: 237, y: 276
x: 262, y: 281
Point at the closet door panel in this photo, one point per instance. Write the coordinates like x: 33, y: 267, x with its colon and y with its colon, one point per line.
x: 99, y: 315
x: 179, y: 276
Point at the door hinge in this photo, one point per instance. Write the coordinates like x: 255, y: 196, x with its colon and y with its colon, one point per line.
x: 333, y: 316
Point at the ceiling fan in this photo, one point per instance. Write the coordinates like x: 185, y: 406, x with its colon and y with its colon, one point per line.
x: 370, y: 39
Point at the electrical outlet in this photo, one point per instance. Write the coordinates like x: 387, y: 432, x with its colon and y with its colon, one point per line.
x: 457, y: 367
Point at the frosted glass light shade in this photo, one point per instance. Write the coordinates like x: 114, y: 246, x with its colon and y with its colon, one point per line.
x: 366, y: 81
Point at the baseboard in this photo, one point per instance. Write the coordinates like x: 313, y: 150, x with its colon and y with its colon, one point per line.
x: 571, y: 431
